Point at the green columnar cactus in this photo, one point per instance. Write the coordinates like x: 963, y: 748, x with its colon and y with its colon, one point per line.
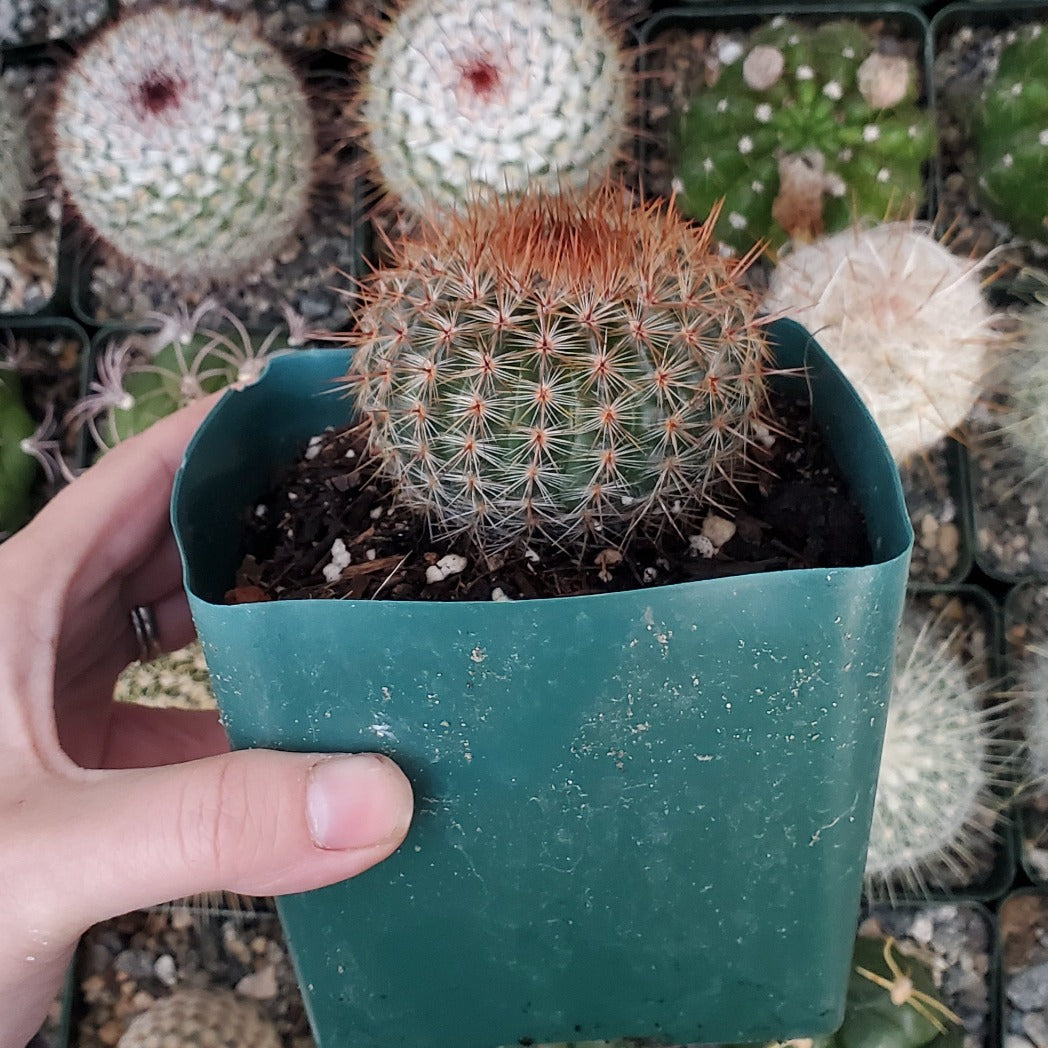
x: 892, y: 1002
x: 185, y: 141
x: 464, y: 96
x: 943, y: 755
x: 14, y: 165
x: 805, y: 132
x: 903, y: 317
x: 201, y: 1019
x: 566, y: 365
x: 18, y: 466
x: 141, y: 378
x: 1010, y: 133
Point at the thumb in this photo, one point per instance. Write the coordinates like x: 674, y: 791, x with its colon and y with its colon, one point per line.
x: 254, y: 822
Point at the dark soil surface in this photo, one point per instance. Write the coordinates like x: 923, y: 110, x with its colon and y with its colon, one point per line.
x: 799, y: 515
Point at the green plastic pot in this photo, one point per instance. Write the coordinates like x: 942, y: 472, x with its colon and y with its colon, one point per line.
x: 640, y: 813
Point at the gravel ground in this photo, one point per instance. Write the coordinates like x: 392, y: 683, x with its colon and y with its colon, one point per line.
x: 29, y: 263
x: 37, y: 21
x: 956, y: 941
x: 126, y: 964
x: 1024, y: 961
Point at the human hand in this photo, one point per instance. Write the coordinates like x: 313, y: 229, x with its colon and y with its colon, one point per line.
x: 106, y: 808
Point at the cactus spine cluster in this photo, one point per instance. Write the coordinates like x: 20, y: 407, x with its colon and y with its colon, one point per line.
x: 565, y: 365
x: 805, y: 131
x: 185, y: 141
x: 14, y: 165
x: 1010, y: 133
x: 467, y: 96
x: 942, y: 757
x: 201, y: 1019
x: 140, y: 378
x: 903, y: 317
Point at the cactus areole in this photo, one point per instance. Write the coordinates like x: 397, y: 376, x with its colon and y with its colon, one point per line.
x: 185, y: 141
x: 564, y: 365
x: 463, y: 97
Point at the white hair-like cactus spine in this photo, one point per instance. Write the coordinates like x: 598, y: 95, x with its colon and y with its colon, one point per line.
x: 943, y: 756
x: 201, y: 1019
x: 185, y: 141
x: 14, y: 165
x: 905, y: 320
x: 467, y: 96
x: 566, y: 365
x: 142, y: 377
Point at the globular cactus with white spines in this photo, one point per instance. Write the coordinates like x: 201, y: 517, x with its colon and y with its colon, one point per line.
x: 464, y: 97
x: 194, y: 1018
x: 903, y: 317
x: 1022, y: 376
x: 944, y: 754
x: 806, y: 131
x: 142, y: 377
x: 564, y: 365
x: 185, y: 141
x: 1010, y: 135
x: 14, y: 165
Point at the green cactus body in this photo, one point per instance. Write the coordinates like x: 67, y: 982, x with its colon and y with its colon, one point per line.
x: 565, y: 365
x: 14, y: 165
x: 1010, y: 133
x: 185, y: 141
x: 892, y: 1002
x: 465, y: 96
x: 141, y: 378
x: 201, y: 1019
x: 18, y: 468
x: 805, y: 132
x: 934, y: 812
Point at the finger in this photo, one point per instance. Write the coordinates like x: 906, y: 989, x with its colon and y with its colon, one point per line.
x: 255, y: 822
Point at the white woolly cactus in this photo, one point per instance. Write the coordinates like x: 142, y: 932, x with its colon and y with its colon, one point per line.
x: 14, y: 165
x: 903, y: 317
x: 186, y: 142
x: 935, y: 808
x: 201, y: 1019
x: 463, y: 96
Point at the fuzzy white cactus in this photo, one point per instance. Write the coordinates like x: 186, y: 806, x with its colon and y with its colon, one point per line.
x: 14, y: 165
x: 935, y: 808
x: 186, y: 142
x: 905, y: 320
x: 201, y: 1019
x: 464, y: 96
x: 1023, y: 377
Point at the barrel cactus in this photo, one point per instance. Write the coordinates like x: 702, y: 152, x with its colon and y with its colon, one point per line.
x: 185, y: 141
x: 943, y: 755
x: 565, y: 365
x: 466, y: 96
x: 201, y: 1019
x: 806, y: 131
x: 14, y: 165
x: 1010, y: 135
x: 903, y: 317
x: 142, y: 377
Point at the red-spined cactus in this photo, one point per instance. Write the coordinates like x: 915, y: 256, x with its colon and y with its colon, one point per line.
x: 567, y: 365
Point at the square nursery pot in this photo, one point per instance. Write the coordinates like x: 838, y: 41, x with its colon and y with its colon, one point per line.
x: 641, y: 813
